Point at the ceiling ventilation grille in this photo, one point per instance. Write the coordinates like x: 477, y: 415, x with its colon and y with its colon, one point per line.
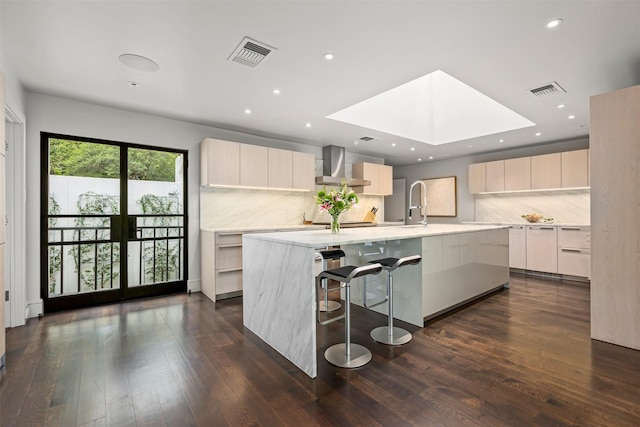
x: 552, y: 88
x: 250, y: 52
x: 367, y: 138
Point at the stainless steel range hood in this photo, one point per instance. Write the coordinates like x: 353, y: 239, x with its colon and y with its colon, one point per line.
x: 333, y: 161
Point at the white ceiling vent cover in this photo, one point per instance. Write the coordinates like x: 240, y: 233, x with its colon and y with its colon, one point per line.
x: 250, y: 52
x: 552, y: 88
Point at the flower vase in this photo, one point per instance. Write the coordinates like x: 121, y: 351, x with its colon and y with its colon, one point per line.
x: 335, y: 224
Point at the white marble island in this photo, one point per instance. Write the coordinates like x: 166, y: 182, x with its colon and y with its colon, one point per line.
x: 460, y: 262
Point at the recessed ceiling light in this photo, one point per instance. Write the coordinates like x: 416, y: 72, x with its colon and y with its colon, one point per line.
x: 138, y: 62
x: 573, y: 116
x: 561, y: 106
x: 132, y: 83
x: 419, y: 160
x: 308, y: 125
x: 356, y: 142
x: 328, y: 56
x: 502, y: 140
x: 413, y: 149
x: 393, y: 145
x: 470, y: 146
x: 430, y: 157
x: 276, y: 91
x: 538, y: 134
x: 554, y: 22
x: 247, y: 111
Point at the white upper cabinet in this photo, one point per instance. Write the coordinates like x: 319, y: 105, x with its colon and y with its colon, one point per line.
x: 253, y: 165
x: 495, y: 175
x: 575, y: 168
x: 280, y: 168
x: 227, y: 163
x: 477, y: 178
x: 381, y: 177
x: 546, y: 171
x: 517, y: 174
x: 219, y: 162
x: 304, y: 171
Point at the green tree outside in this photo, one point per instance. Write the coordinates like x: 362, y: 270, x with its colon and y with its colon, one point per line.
x: 77, y: 158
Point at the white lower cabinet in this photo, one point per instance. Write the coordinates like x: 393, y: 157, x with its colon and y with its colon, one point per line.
x: 221, y: 264
x: 542, y: 248
x: 518, y: 246
x: 574, y: 251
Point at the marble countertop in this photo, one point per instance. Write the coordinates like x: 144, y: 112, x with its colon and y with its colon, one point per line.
x: 318, y: 238
x: 285, y: 228
x: 523, y: 222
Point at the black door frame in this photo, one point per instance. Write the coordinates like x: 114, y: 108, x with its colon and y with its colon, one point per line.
x: 66, y: 302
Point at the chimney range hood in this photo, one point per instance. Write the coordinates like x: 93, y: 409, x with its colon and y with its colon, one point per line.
x: 333, y: 161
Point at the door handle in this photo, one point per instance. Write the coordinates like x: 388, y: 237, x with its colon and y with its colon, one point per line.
x: 132, y: 232
x: 115, y: 228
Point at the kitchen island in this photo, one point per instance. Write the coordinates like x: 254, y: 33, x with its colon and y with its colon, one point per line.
x: 460, y: 263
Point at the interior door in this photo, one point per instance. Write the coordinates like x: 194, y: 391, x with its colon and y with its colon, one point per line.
x: 113, y: 223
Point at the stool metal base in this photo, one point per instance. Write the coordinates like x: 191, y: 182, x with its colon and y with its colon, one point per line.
x: 330, y: 306
x: 337, y: 355
x: 400, y: 336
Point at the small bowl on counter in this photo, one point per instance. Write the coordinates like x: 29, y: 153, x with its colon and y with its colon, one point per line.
x: 534, y: 217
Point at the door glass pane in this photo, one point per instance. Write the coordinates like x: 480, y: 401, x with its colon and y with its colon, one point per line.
x: 155, y: 201
x: 84, y: 197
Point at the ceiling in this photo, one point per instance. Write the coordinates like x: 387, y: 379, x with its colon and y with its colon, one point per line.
x: 501, y: 49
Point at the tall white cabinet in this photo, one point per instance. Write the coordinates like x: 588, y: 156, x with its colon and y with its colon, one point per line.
x: 614, y: 140
x: 2, y: 216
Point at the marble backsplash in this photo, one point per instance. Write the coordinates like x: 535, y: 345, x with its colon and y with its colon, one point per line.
x: 229, y: 208
x: 565, y: 206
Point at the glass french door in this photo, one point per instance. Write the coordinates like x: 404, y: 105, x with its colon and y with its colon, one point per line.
x: 113, y: 221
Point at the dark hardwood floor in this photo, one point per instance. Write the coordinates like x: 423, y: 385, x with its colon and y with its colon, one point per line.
x: 521, y: 357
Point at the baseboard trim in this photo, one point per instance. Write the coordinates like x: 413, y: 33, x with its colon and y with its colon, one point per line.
x: 34, y: 309
x: 194, y: 285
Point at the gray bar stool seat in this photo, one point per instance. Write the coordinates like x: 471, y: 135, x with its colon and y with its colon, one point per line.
x: 327, y: 255
x: 345, y: 355
x: 390, y: 334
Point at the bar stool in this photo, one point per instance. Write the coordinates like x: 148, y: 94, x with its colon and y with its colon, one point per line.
x: 327, y: 255
x: 390, y: 334
x: 345, y: 355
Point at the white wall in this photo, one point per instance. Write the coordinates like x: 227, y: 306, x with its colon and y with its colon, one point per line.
x: 459, y: 168
x: 14, y: 95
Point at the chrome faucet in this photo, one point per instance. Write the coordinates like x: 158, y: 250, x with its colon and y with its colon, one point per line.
x: 424, y: 201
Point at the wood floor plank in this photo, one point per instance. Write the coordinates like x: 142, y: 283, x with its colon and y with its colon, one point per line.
x: 520, y: 357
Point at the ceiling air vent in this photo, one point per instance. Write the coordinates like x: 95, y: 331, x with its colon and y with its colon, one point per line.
x: 367, y: 138
x: 552, y: 88
x: 250, y: 52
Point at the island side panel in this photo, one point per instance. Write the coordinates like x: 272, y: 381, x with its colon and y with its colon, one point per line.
x: 458, y: 268
x: 278, y: 299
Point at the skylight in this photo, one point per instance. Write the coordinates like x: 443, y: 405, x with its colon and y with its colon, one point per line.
x: 434, y: 109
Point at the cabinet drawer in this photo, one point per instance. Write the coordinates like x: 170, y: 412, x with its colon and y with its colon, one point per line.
x: 574, y: 237
x: 228, y: 256
x: 228, y: 238
x: 228, y: 281
x: 575, y: 262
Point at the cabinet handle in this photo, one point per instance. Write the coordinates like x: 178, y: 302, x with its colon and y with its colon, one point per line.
x: 546, y: 228
x: 230, y: 245
x: 229, y: 270
x: 229, y: 234
x: 570, y: 250
x: 570, y: 228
